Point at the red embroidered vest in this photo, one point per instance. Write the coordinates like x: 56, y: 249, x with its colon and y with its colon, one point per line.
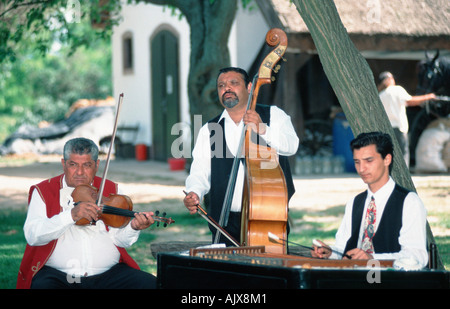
x: 35, y: 257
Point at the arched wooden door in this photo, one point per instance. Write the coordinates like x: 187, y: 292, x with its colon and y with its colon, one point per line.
x: 164, y: 91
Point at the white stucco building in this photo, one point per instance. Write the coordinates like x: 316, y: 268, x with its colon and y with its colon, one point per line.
x: 145, y: 44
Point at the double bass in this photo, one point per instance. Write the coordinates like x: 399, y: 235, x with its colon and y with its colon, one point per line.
x: 265, y: 196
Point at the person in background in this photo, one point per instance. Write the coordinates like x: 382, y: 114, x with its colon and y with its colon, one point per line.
x: 395, y: 99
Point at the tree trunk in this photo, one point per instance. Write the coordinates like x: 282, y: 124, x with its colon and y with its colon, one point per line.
x: 210, y: 24
x: 352, y: 81
x: 210, y: 29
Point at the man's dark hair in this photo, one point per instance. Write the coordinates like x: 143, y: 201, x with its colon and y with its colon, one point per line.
x: 237, y: 70
x: 382, y: 141
x: 80, y: 146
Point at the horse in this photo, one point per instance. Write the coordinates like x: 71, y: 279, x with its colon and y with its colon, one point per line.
x: 433, y: 77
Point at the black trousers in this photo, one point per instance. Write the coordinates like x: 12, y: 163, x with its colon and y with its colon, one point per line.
x: 120, y: 276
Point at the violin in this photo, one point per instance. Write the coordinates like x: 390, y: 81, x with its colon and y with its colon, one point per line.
x: 115, y: 210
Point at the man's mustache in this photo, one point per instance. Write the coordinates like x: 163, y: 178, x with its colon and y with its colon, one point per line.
x: 228, y: 92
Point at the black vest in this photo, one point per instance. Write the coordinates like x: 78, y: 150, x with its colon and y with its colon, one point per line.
x: 388, y: 231
x: 222, y: 162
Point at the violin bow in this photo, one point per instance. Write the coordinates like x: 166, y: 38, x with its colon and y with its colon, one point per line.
x: 113, y: 137
x: 211, y: 221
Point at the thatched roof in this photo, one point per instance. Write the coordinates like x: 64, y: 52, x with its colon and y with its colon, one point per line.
x: 375, y: 24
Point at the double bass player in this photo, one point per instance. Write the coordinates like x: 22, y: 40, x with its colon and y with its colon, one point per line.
x: 217, y: 144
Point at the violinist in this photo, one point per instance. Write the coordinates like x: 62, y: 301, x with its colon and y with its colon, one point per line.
x: 62, y: 254
x: 217, y: 144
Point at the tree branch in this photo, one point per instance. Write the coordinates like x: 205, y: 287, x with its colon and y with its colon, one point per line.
x: 16, y: 5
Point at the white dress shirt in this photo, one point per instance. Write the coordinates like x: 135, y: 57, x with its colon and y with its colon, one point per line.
x: 394, y: 102
x: 80, y: 250
x: 280, y: 136
x: 412, y: 237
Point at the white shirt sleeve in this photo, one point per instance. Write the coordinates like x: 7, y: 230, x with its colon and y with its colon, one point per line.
x: 199, y: 177
x: 124, y: 237
x: 344, y: 232
x: 281, y: 134
x: 38, y: 228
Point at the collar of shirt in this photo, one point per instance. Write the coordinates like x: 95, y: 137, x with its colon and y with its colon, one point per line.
x: 228, y: 118
x: 65, y: 195
x: 381, y: 196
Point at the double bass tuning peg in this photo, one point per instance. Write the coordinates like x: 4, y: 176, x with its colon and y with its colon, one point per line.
x: 277, y: 68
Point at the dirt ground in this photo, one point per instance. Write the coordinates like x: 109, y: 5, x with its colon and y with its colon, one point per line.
x: 149, y: 181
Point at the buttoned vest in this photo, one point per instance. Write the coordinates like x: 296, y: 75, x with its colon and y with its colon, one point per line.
x: 389, y: 226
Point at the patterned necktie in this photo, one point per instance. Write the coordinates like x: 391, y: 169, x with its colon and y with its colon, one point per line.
x: 369, y: 231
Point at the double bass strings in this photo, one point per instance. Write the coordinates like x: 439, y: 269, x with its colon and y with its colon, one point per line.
x: 226, y: 206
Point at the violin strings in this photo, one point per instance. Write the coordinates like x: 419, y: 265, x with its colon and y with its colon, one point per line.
x: 117, y: 211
